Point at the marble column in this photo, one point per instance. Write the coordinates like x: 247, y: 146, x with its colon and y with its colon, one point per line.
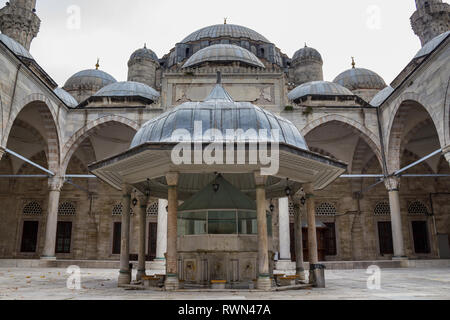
x: 264, y: 281
x: 284, y: 227
x: 55, y: 185
x: 445, y: 152
x: 143, y: 204
x: 393, y: 185
x: 315, y: 277
x: 298, y: 227
x: 125, y: 271
x: 161, y: 242
x: 172, y: 282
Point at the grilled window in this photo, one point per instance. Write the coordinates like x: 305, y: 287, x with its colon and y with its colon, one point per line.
x: 32, y: 209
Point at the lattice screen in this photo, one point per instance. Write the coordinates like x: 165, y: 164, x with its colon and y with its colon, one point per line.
x: 118, y: 210
x: 382, y: 209
x: 291, y: 209
x: 417, y: 208
x: 326, y: 209
x: 32, y: 209
x: 67, y: 209
x: 152, y: 209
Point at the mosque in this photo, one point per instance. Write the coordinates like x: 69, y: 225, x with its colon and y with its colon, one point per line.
x: 86, y: 174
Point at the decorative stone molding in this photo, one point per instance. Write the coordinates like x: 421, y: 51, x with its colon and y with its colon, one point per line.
x: 55, y: 183
x: 172, y: 179
x: 392, y: 183
x: 445, y: 152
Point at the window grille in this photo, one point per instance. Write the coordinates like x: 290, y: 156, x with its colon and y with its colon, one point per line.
x: 417, y: 208
x: 382, y: 209
x: 32, y: 209
x: 152, y: 209
x: 67, y: 209
x: 291, y: 209
x: 118, y: 209
x: 326, y: 209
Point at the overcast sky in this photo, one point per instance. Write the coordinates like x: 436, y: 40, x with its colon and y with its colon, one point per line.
x: 376, y: 32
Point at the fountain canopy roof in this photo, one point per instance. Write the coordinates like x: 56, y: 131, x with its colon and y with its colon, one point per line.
x: 219, y: 112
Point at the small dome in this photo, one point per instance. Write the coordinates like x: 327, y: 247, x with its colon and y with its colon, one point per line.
x: 381, y: 96
x: 128, y: 89
x: 66, y: 97
x: 144, y: 53
x: 223, y: 53
x: 359, y: 78
x: 431, y: 45
x: 307, y: 53
x: 225, y: 114
x: 92, y: 77
x: 225, y: 30
x: 15, y: 47
x: 319, y: 88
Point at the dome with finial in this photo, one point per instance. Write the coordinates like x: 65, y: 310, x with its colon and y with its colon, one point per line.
x: 307, y: 54
x: 144, y: 53
x: 360, y: 78
x: 218, y: 111
x: 225, y: 31
x: 94, y: 78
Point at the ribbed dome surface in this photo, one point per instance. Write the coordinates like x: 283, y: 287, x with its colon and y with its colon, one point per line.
x: 15, y: 47
x: 381, y: 96
x: 144, y: 53
x: 92, y: 77
x: 431, y: 45
x: 68, y: 99
x: 359, y: 78
x: 307, y: 53
x: 223, y: 53
x: 219, y: 112
x: 225, y: 30
x: 323, y: 88
x: 128, y: 89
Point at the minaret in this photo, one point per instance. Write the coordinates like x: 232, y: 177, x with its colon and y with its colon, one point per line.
x: 431, y: 19
x: 19, y: 21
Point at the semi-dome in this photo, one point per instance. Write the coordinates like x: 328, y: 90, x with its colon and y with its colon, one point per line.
x: 144, y: 53
x: 91, y: 77
x: 68, y: 99
x: 219, y: 112
x: 319, y: 88
x: 15, y: 47
x: 225, y: 30
x: 128, y: 89
x: 431, y: 45
x: 223, y: 53
x: 359, y: 78
x: 381, y: 96
x: 307, y: 53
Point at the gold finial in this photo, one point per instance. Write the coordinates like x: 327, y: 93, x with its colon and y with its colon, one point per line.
x: 98, y: 64
x: 225, y: 20
x: 353, y: 62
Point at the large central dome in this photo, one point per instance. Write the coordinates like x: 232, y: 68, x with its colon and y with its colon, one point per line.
x: 225, y: 30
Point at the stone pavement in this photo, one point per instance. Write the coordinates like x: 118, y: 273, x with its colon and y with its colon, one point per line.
x: 98, y: 284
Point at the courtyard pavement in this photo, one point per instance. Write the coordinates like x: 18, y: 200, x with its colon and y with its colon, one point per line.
x: 99, y: 284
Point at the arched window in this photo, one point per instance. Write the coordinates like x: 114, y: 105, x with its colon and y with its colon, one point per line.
x: 326, y: 209
x: 32, y: 209
x: 152, y: 209
x: 118, y: 210
x: 188, y: 52
x: 417, y: 208
x: 382, y: 209
x: 263, y: 52
x: 67, y: 209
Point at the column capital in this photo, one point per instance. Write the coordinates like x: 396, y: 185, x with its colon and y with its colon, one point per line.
x: 308, y: 190
x: 172, y: 179
x: 392, y: 183
x: 260, y: 180
x: 127, y: 189
x: 445, y: 152
x: 55, y: 183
